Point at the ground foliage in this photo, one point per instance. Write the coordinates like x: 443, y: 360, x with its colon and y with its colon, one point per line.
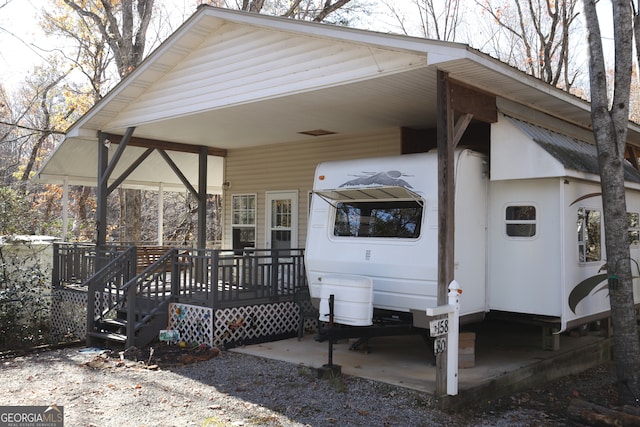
x: 25, y: 302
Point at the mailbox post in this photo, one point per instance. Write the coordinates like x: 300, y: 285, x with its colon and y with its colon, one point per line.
x: 446, y: 332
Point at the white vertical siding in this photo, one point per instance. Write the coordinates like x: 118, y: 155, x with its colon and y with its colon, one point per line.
x: 291, y: 166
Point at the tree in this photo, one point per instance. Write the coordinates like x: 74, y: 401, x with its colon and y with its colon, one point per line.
x: 110, y: 30
x: 610, y: 121
x: 539, y: 37
x: 308, y: 10
x: 636, y: 29
x: 124, y: 30
x: 436, y: 19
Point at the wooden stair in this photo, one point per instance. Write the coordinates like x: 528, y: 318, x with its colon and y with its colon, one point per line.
x: 114, y: 330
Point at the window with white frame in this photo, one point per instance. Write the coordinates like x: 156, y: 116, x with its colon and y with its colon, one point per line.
x: 520, y: 221
x: 243, y: 221
x: 589, y: 235
x: 633, y: 221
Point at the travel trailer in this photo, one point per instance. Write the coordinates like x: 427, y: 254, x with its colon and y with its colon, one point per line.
x: 528, y: 232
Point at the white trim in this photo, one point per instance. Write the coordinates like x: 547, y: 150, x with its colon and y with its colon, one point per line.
x: 281, y: 195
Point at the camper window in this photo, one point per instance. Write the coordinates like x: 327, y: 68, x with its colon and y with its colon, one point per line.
x: 397, y: 218
x: 633, y: 220
x: 520, y: 221
x: 589, y: 241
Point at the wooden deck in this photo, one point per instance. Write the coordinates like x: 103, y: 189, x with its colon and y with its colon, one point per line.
x: 136, y: 284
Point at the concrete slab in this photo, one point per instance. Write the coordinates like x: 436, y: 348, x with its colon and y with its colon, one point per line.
x: 507, y: 356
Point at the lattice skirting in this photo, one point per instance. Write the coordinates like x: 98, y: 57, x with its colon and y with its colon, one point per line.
x: 195, y: 323
x: 222, y: 328
x: 255, y: 323
x: 69, y: 315
x: 229, y: 327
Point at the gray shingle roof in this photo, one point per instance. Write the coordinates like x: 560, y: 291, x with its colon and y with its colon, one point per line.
x: 572, y: 153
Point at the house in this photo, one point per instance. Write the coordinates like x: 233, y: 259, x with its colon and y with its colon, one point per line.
x: 247, y: 105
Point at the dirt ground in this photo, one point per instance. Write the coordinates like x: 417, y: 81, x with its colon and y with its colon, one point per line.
x: 203, y: 387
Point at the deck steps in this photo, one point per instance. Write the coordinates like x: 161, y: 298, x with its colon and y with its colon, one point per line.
x: 116, y: 326
x: 115, y: 329
x: 108, y: 336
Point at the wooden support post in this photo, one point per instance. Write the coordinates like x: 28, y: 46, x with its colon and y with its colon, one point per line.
x: 65, y: 208
x: 105, y: 168
x: 102, y: 192
x: 202, y: 198
x: 201, y: 264
x: 446, y: 210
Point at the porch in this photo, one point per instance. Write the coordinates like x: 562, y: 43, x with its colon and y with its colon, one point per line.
x: 127, y: 294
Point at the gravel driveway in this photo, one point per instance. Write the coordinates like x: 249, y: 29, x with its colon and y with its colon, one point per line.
x: 231, y: 389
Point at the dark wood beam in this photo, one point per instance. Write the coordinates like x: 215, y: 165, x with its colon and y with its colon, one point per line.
x: 631, y: 154
x: 446, y: 208
x: 178, y: 172
x: 116, y: 156
x: 468, y: 100
x: 166, y: 145
x: 202, y: 199
x: 461, y: 125
x: 102, y: 192
x: 130, y: 170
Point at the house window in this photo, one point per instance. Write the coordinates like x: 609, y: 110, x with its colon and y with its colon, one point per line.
x: 589, y: 235
x: 378, y: 219
x: 520, y: 221
x: 243, y: 221
x: 633, y: 221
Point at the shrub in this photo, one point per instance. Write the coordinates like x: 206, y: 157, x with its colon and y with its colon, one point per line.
x: 25, y: 301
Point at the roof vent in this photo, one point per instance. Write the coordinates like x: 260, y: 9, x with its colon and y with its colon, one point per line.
x: 318, y: 132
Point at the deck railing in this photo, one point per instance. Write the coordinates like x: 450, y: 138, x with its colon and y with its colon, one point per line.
x: 75, y: 263
x: 223, y: 278
x: 106, y: 289
x: 206, y: 277
x: 211, y: 277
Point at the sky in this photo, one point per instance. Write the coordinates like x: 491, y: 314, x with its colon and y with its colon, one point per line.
x: 23, y: 45
x: 19, y: 21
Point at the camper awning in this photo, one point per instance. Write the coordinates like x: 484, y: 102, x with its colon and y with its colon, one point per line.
x: 368, y: 193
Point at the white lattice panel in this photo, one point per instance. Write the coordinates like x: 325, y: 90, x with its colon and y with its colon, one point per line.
x: 242, y: 324
x: 195, y: 323
x: 69, y: 315
x: 104, y: 300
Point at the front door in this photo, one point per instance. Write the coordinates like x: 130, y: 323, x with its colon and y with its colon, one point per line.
x: 282, y: 220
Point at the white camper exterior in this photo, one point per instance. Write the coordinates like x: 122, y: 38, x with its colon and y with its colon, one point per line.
x: 387, y: 230
x: 529, y: 234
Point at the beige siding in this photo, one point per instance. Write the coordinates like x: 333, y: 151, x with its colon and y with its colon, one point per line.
x: 237, y: 64
x: 291, y: 166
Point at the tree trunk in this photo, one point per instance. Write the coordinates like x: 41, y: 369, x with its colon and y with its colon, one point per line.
x: 133, y: 215
x: 81, y: 225
x: 610, y: 132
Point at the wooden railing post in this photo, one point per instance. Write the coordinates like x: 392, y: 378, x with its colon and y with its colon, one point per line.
x: 131, y: 315
x: 274, y: 273
x: 175, y: 274
x: 91, y: 301
x: 55, y: 270
x: 215, y: 268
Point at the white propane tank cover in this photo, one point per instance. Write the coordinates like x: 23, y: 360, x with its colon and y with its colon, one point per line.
x: 352, y: 296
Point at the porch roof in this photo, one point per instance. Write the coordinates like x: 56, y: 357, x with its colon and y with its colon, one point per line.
x: 230, y: 79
